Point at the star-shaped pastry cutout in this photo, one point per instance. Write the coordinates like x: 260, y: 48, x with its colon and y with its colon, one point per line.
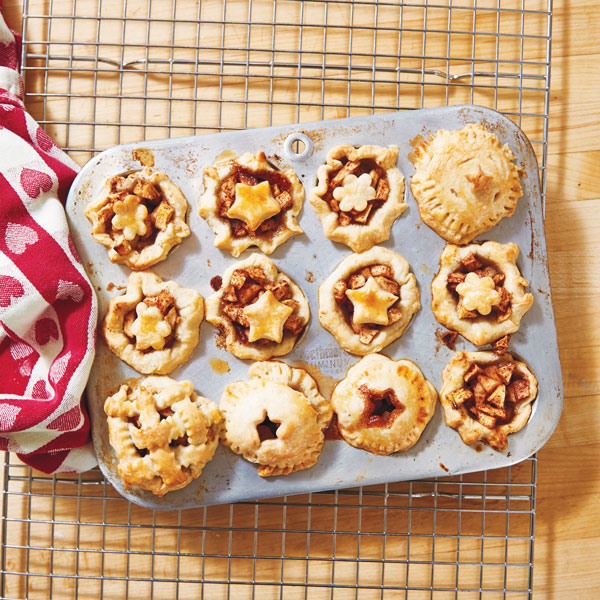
x: 478, y: 293
x: 150, y: 328
x: 479, y: 180
x: 267, y: 317
x: 253, y: 204
x: 371, y: 303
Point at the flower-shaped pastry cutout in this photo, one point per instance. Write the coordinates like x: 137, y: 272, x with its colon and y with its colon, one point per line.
x: 266, y: 318
x: 355, y: 192
x: 253, y: 204
x: 150, y: 328
x: 155, y: 325
x: 478, y: 293
x: 130, y: 217
x: 138, y: 218
x: 358, y: 195
x: 371, y: 303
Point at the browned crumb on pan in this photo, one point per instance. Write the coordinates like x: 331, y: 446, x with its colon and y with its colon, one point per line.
x: 448, y: 338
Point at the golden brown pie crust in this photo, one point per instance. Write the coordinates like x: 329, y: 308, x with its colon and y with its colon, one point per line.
x: 139, y: 218
x: 486, y: 396
x: 379, y: 274
x: 163, y: 433
x: 276, y: 419
x: 465, y: 181
x: 132, y: 320
x: 257, y: 299
x: 383, y: 405
x: 233, y: 188
x: 372, y: 205
x: 491, y: 263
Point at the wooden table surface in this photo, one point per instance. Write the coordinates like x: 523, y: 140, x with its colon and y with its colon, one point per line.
x: 567, y: 546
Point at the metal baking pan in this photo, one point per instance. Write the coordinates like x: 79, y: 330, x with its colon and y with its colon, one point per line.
x: 308, y: 259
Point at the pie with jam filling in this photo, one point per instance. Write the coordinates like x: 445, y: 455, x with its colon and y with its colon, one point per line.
x: 260, y: 310
x: 249, y: 201
x: 383, y: 405
x: 162, y: 432
x: 276, y: 419
x: 139, y: 218
x: 486, y: 396
x: 368, y: 300
x: 359, y: 194
x: 465, y: 181
x: 155, y: 325
x: 479, y: 291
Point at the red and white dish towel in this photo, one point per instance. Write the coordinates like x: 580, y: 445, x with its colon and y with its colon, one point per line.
x: 48, y: 309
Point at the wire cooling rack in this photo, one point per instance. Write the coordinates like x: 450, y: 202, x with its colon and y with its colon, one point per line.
x: 102, y: 72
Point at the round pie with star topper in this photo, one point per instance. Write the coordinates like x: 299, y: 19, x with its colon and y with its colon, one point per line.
x: 465, y: 181
x: 261, y: 311
x: 155, y: 325
x: 162, y: 432
x: 479, y: 291
x: 383, y: 405
x: 369, y: 300
x: 359, y: 194
x: 250, y: 201
x: 139, y: 218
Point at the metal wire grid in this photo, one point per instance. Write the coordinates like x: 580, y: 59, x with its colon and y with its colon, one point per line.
x: 100, y: 72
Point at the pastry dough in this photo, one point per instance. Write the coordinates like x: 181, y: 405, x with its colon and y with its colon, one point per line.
x: 487, y: 396
x: 359, y: 194
x: 383, y: 405
x: 162, y: 432
x: 473, y: 279
x: 139, y: 218
x: 378, y: 288
x: 276, y: 419
x: 155, y: 325
x: 260, y: 310
x: 248, y: 201
x: 465, y: 181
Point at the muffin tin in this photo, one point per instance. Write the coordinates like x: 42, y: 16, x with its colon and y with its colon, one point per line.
x: 309, y: 258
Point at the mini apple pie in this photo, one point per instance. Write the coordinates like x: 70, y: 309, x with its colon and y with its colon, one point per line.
x: 486, y: 396
x: 359, y: 194
x: 155, y: 325
x: 162, y: 432
x: 368, y: 300
x: 248, y: 201
x: 139, y: 218
x: 465, y: 181
x: 479, y: 291
x: 260, y: 310
x: 276, y: 419
x: 383, y: 405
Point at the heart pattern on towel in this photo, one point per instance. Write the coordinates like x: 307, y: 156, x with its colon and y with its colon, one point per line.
x: 35, y: 182
x: 45, y: 330
x: 10, y: 289
x: 19, y: 237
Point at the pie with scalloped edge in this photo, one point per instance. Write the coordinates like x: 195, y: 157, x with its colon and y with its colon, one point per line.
x: 465, y: 181
x: 250, y: 201
x: 479, y: 291
x: 487, y: 396
x: 276, y: 419
x: 383, y: 405
x: 368, y: 300
x: 155, y: 325
x: 163, y: 433
x: 139, y: 218
x: 261, y: 312
x: 359, y: 194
